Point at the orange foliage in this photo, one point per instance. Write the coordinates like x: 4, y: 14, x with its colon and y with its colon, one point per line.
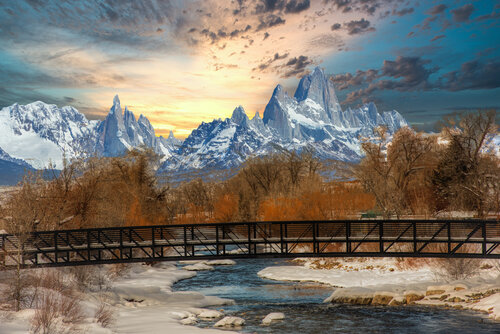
x: 194, y: 214
x: 337, y: 202
x: 275, y: 209
x: 134, y: 216
x: 226, y: 208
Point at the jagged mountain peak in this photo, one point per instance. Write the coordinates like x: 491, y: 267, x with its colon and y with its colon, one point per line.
x: 239, y: 116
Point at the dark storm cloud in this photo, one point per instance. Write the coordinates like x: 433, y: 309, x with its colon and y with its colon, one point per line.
x: 336, y: 26
x: 363, y: 6
x: 462, y: 14
x: 347, y: 80
x: 264, y: 65
x: 401, y: 74
x: 358, y: 26
x: 269, y: 21
x: 296, y: 66
x: 473, y: 75
x: 287, y: 6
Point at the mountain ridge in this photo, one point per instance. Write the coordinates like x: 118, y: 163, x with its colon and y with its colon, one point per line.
x: 37, y: 133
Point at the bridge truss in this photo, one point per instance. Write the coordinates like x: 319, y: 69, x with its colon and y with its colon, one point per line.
x: 342, y: 238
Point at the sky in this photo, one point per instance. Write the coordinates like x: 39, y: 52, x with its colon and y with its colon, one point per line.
x: 183, y: 62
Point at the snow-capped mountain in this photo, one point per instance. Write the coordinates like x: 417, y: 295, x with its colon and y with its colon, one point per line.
x: 311, y: 118
x: 37, y: 134
x: 42, y: 134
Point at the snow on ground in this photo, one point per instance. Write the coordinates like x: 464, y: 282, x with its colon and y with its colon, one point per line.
x: 161, y: 309
x: 143, y: 302
x: 381, y: 282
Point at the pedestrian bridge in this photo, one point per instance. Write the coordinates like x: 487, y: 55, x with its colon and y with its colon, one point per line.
x: 289, y: 239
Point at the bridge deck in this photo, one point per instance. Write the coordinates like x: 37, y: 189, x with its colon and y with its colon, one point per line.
x: 390, y: 238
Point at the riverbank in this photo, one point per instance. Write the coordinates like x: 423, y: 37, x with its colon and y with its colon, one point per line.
x: 141, y: 301
x: 384, y: 282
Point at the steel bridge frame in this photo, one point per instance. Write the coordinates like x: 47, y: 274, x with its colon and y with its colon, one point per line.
x: 290, y: 239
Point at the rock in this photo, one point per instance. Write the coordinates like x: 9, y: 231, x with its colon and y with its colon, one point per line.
x: 210, y: 314
x: 460, y: 287
x: 455, y: 300
x: 382, y: 298
x: 397, y: 301
x: 272, y: 317
x: 433, y: 292
x: 230, y: 322
x: 191, y: 320
x: 357, y: 296
x: 412, y: 296
x: 443, y: 297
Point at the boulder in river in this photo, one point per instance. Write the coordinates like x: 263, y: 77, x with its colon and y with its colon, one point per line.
x: 230, y: 322
x: 272, y: 317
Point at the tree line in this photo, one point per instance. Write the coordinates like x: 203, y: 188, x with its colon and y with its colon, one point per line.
x: 409, y: 174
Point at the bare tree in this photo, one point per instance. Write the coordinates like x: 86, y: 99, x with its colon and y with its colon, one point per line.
x: 468, y: 175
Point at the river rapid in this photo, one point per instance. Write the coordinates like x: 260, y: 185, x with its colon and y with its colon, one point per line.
x: 305, y: 312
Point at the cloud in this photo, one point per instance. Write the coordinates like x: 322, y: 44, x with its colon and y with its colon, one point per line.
x: 287, y: 6
x: 438, y: 9
x: 403, y: 11
x: 401, y: 74
x: 269, y: 21
x: 462, y: 14
x: 296, y: 66
x: 364, y: 6
x: 473, y: 75
x: 347, y: 80
x: 336, y: 26
x: 264, y: 65
x: 435, y: 38
x: 358, y: 26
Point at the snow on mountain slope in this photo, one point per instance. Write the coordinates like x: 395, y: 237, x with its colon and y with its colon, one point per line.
x: 311, y: 119
x: 41, y: 134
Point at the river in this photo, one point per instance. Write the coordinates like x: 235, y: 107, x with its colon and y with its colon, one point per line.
x: 305, y: 311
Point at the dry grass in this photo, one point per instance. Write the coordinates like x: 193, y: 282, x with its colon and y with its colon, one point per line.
x: 104, y: 315
x: 57, y: 314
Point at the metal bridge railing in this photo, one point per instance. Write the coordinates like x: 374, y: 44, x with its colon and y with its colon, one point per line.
x: 361, y: 238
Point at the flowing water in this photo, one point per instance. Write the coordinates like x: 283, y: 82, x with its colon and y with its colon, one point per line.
x: 305, y: 311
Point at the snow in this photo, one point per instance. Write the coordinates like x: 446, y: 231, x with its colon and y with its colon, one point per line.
x: 343, y: 278
x: 143, y: 302
x: 39, y: 133
x: 273, y: 317
x: 198, y: 267
x: 381, y: 282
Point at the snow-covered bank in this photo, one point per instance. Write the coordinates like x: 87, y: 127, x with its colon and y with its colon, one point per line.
x: 381, y: 282
x: 142, y: 301
x: 155, y: 307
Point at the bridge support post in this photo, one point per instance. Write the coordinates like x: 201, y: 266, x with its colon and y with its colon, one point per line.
x: 448, y: 226
x: 381, y: 236
x: 414, y: 237
x: 347, y: 235
x: 484, y: 237
x: 249, y: 235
